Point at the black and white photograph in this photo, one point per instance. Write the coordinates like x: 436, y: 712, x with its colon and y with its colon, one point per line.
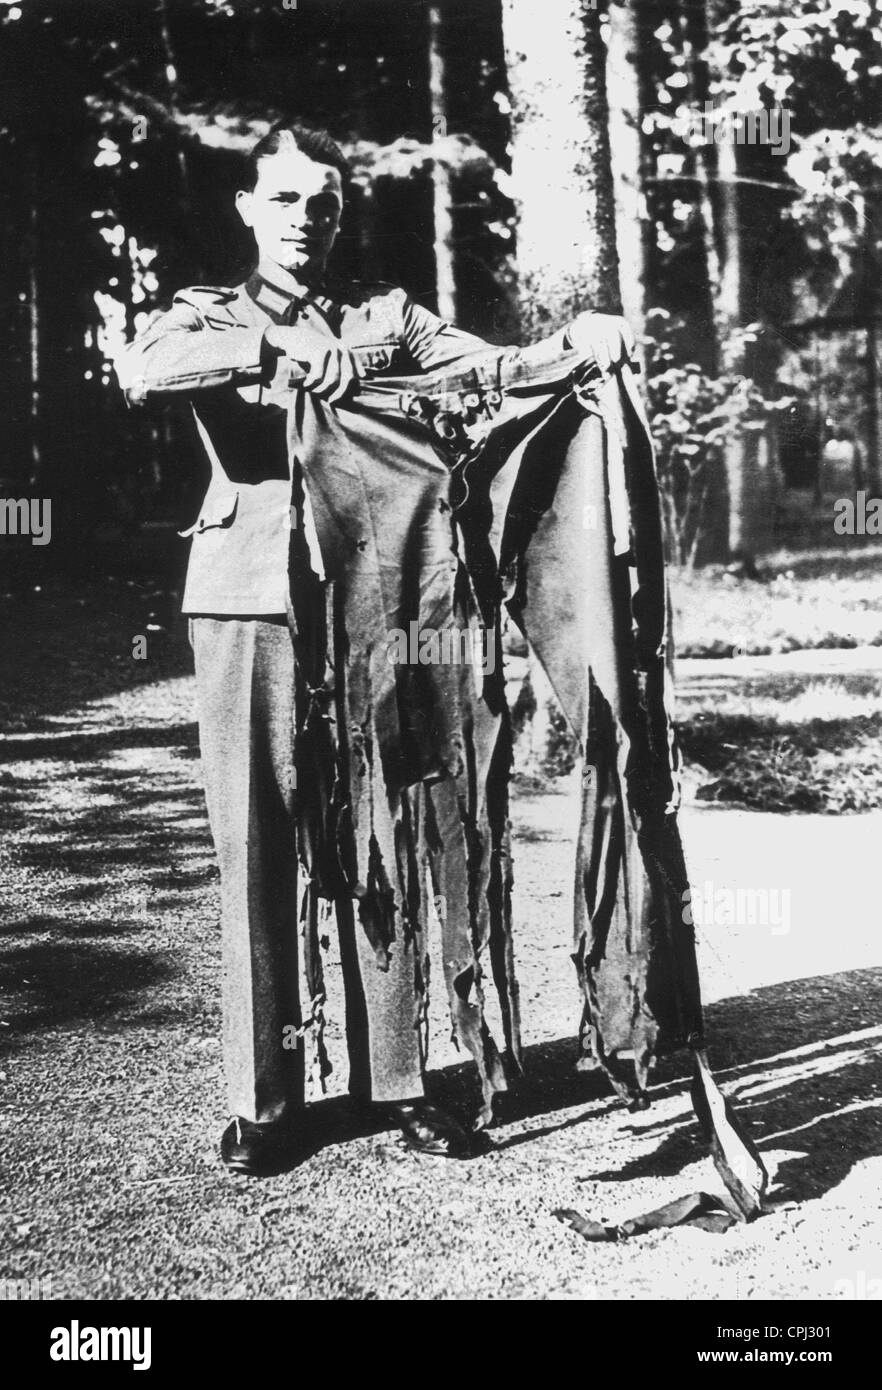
x: 440, y: 666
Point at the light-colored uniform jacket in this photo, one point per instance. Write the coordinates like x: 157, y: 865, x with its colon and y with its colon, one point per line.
x: 210, y: 345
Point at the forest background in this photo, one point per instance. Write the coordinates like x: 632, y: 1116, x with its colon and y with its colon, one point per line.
x: 707, y: 167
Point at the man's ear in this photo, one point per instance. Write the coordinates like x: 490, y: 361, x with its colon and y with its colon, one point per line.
x: 243, y: 206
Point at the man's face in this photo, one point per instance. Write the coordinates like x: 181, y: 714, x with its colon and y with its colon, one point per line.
x: 294, y: 211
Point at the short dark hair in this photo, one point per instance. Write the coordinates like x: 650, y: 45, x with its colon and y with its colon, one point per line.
x: 317, y: 145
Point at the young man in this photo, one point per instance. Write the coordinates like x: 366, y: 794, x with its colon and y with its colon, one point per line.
x: 240, y: 353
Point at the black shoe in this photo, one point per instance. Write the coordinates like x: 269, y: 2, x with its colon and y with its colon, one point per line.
x: 429, y: 1130
x: 259, y: 1150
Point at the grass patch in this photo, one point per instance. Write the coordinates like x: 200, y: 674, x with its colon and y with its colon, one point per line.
x: 787, y: 743
x: 830, y: 598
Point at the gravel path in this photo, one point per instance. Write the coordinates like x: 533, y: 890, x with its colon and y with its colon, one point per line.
x: 111, y: 1088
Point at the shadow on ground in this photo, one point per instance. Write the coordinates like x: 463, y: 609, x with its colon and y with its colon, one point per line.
x: 72, y: 642
x: 784, y: 1054
x: 88, y: 745
x: 50, y: 984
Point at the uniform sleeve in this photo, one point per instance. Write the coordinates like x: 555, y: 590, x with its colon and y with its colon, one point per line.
x: 545, y: 355
x: 186, y: 349
x: 436, y: 343
x: 433, y: 342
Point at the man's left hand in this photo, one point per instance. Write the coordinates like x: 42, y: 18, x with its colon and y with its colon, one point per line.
x: 606, y: 339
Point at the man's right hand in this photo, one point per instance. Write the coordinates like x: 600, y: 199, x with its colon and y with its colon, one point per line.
x: 330, y: 368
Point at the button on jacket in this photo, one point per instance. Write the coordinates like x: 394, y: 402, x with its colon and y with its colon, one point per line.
x: 210, y: 345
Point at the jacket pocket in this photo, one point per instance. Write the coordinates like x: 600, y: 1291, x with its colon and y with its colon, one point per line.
x: 219, y: 512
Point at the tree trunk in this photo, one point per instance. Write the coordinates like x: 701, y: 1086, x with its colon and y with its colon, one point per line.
x: 728, y: 306
x: 710, y: 511
x: 745, y: 486
x: 366, y: 217
x: 442, y: 197
x: 874, y: 411
x: 728, y: 319
x: 871, y: 298
x: 34, y: 355
x: 627, y: 101
x: 697, y: 91
x: 171, y: 77
x: 561, y: 168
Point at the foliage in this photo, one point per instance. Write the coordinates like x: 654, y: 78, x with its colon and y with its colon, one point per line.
x: 694, y: 413
x: 828, y: 764
x: 562, y: 750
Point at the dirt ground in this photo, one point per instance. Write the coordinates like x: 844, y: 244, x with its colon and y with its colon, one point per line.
x: 111, y: 1090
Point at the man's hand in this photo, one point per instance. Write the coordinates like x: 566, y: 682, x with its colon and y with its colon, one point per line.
x: 330, y: 368
x: 605, y: 339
